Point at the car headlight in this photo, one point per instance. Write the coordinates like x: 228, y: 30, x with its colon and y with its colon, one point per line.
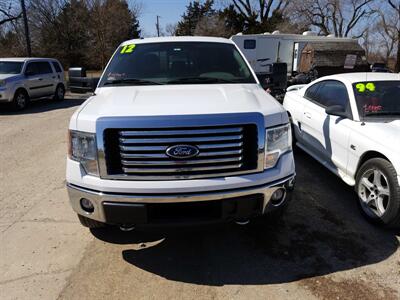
x: 83, y: 149
x: 278, y: 140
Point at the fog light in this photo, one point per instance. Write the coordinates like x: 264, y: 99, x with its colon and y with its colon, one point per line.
x: 278, y: 197
x: 87, y: 205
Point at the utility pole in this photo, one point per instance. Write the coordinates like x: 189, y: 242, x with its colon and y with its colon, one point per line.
x: 158, y: 25
x: 27, y: 37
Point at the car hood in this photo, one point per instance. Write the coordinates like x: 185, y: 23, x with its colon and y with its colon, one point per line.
x: 178, y: 100
x: 9, y: 76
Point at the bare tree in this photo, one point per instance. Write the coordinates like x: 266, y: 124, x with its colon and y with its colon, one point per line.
x: 394, y: 27
x: 170, y: 29
x: 260, y: 14
x: 212, y: 26
x: 9, y: 12
x: 338, y: 17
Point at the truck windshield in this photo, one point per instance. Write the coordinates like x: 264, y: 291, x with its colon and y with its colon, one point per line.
x: 10, y: 67
x: 176, y: 63
x: 378, y: 99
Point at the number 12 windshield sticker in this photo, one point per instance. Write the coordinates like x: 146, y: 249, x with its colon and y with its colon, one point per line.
x: 128, y: 49
x: 365, y: 87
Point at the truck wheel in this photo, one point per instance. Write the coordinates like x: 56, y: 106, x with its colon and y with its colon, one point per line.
x: 90, y: 223
x: 60, y: 93
x: 378, y: 192
x: 21, y: 100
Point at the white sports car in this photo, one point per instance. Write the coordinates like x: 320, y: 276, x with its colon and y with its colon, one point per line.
x: 351, y: 124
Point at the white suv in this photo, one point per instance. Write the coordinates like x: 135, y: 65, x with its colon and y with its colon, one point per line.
x: 26, y: 79
x: 351, y: 124
x: 178, y: 131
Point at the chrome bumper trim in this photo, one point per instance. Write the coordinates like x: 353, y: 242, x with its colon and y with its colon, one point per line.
x: 77, y: 193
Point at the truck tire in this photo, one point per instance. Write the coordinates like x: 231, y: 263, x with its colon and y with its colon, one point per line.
x: 89, y: 223
x: 59, y: 93
x: 378, y: 192
x: 21, y: 100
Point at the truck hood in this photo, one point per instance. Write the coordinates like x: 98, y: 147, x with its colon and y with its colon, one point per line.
x: 178, y: 100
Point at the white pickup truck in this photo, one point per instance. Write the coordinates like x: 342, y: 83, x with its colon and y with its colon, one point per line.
x: 178, y: 131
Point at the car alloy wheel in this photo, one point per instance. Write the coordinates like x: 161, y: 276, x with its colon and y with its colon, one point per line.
x: 21, y: 101
x: 374, y: 193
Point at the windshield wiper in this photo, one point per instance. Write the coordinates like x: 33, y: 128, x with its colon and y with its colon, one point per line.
x: 383, y: 113
x: 189, y: 80
x: 133, y: 81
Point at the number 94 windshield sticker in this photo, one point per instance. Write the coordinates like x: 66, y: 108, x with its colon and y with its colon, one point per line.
x: 365, y: 87
x: 128, y: 49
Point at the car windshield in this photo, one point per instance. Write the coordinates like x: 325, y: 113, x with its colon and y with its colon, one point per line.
x: 378, y: 99
x: 10, y: 67
x: 176, y: 63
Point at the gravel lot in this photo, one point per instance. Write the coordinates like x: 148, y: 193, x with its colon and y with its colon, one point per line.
x: 322, y: 248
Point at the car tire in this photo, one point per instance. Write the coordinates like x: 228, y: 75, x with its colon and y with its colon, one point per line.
x: 20, y: 101
x: 59, y: 93
x: 378, y: 192
x: 89, y: 223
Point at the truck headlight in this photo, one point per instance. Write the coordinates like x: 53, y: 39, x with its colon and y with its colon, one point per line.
x: 82, y: 148
x: 278, y: 141
x: 2, y: 83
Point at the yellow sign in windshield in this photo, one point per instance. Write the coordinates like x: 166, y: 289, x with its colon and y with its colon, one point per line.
x: 128, y: 49
x: 365, y: 87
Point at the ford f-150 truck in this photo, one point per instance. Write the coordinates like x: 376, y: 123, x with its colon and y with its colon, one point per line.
x: 179, y: 131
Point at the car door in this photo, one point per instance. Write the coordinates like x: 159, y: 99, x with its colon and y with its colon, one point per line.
x: 327, y: 135
x: 48, y: 79
x: 33, y: 79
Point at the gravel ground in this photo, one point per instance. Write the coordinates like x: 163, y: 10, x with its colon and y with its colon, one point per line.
x: 321, y: 249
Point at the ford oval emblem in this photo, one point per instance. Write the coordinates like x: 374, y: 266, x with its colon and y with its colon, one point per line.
x: 182, y: 151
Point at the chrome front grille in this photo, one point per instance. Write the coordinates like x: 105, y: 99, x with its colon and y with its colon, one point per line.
x: 142, y: 152
x: 139, y: 148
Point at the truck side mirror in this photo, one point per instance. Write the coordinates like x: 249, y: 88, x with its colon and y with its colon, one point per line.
x: 336, y: 110
x: 29, y: 73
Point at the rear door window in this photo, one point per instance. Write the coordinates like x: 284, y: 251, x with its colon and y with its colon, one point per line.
x: 44, y: 67
x: 56, y: 66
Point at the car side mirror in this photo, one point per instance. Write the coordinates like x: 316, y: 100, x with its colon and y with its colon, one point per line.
x: 336, y: 110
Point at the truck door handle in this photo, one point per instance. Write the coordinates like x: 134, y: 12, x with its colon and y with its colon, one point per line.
x: 308, y: 115
x: 40, y: 78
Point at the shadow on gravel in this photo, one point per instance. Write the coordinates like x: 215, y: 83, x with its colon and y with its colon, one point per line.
x: 321, y: 233
x: 41, y: 106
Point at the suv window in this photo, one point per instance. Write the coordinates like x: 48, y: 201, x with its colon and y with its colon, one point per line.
x: 44, y: 67
x: 56, y: 66
x: 39, y: 67
x: 32, y: 68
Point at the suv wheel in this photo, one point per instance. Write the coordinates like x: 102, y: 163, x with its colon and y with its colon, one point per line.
x: 60, y: 93
x: 378, y: 192
x: 20, y: 100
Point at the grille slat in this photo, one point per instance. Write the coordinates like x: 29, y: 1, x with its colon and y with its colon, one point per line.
x: 183, y: 162
x: 176, y: 169
x: 192, y: 132
x: 166, y: 140
x: 142, y: 153
x: 163, y: 155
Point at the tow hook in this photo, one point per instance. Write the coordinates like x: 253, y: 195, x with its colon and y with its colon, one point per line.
x: 127, y: 227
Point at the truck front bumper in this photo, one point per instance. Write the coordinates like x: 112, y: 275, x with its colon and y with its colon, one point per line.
x: 198, y: 207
